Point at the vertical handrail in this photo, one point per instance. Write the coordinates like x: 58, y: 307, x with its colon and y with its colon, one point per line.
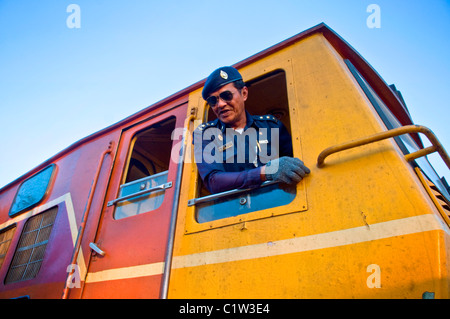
x: 82, y: 227
x: 173, y: 217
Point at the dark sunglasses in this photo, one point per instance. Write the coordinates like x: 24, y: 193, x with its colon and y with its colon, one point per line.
x: 226, y: 96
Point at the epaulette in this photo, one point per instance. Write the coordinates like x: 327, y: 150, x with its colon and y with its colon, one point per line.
x: 267, y: 117
x: 204, y: 126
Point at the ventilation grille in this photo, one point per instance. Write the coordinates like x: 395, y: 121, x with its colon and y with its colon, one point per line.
x: 441, y: 203
x: 440, y: 198
x: 31, y: 248
x: 5, y: 239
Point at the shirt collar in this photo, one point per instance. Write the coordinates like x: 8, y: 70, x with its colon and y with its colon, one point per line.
x: 250, y: 121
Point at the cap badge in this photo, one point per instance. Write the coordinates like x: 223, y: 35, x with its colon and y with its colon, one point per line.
x: 223, y: 75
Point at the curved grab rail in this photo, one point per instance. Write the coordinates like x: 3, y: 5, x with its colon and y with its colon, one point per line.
x: 408, y: 129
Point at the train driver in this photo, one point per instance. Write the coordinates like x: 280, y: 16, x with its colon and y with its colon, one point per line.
x: 233, y: 150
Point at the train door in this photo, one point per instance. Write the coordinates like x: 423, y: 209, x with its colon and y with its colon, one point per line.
x: 129, y: 249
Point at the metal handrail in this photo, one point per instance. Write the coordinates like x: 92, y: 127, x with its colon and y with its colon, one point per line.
x: 174, y: 214
x: 145, y: 191
x: 408, y: 129
x: 82, y: 226
x: 195, y: 201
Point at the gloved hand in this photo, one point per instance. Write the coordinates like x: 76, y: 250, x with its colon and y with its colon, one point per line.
x: 289, y: 170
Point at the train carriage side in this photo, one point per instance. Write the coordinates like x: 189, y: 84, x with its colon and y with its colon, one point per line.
x: 127, y: 219
x: 40, y: 215
x: 362, y: 225
x: 60, y: 237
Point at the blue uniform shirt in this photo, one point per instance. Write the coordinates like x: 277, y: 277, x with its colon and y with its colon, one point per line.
x: 227, y: 159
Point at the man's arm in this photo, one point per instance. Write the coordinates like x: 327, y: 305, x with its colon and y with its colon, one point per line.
x: 218, y: 182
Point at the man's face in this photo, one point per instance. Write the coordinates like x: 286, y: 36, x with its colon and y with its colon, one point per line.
x: 231, y: 112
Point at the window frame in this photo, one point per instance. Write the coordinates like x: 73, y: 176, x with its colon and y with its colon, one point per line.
x: 35, y: 202
x: 299, y: 203
x: 148, y: 191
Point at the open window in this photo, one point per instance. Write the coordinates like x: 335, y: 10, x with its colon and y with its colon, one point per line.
x: 145, y: 179
x: 268, y: 94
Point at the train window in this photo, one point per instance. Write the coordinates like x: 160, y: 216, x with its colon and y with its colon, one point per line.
x: 146, y: 174
x: 405, y: 142
x: 30, y: 251
x: 32, y: 191
x: 267, y: 95
x: 5, y: 240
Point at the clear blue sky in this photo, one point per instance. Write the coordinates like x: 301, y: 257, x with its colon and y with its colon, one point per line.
x: 58, y: 84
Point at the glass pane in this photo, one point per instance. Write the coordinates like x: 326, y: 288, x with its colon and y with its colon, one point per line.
x: 244, y: 203
x: 32, y: 191
x: 141, y: 203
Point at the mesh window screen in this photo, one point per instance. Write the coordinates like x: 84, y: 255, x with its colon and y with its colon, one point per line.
x: 31, y: 248
x: 5, y: 239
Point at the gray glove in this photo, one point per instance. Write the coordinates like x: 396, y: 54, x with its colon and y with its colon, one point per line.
x: 289, y: 170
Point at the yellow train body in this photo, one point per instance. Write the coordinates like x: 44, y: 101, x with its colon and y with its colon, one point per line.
x: 361, y: 227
